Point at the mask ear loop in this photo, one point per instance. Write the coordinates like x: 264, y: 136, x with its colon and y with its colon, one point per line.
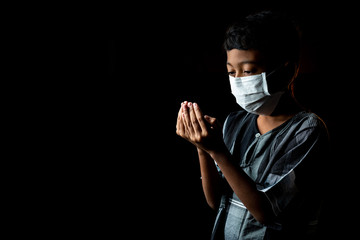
x: 291, y: 83
x: 275, y: 70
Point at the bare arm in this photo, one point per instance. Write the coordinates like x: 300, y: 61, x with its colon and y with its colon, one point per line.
x: 244, y: 187
x: 209, y: 140
x: 210, y: 179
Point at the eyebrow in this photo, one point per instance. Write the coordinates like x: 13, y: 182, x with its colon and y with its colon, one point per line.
x: 244, y: 62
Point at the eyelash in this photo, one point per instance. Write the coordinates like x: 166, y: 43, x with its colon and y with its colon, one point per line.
x: 245, y: 72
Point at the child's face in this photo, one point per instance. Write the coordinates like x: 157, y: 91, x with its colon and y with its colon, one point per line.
x: 242, y: 63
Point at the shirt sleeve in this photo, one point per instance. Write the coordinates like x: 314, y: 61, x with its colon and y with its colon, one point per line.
x: 297, y: 175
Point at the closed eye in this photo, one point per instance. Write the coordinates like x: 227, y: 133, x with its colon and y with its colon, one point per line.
x: 247, y: 73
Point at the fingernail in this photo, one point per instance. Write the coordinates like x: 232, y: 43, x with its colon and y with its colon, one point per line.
x: 189, y: 104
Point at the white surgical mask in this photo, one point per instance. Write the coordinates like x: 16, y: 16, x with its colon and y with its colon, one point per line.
x: 252, y: 94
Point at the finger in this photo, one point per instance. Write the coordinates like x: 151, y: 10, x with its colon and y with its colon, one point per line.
x: 209, y: 119
x: 193, y: 119
x: 182, y: 116
x: 212, y: 121
x: 186, y: 119
x: 199, y: 117
x: 179, y: 123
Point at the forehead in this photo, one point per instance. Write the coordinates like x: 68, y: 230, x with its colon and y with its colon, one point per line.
x: 236, y: 57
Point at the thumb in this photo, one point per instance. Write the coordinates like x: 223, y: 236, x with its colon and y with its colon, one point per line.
x: 214, y: 123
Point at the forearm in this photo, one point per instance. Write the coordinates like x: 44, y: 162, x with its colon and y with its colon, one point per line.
x: 244, y: 187
x: 205, y: 133
x: 211, y: 180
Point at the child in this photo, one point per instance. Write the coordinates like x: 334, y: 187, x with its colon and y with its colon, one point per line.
x: 262, y: 171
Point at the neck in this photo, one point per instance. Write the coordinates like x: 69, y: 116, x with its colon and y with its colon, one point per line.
x: 287, y: 106
x: 286, y: 109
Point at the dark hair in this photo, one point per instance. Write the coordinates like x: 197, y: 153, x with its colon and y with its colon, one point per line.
x: 272, y: 33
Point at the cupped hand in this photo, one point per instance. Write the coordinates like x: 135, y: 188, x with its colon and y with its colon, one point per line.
x: 201, y: 130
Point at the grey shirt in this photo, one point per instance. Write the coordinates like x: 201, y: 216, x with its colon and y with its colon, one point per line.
x: 286, y: 164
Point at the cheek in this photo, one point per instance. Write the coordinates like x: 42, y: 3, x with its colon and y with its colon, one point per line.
x: 277, y: 84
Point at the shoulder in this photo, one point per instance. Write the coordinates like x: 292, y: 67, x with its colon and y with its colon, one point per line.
x: 307, y: 127
x: 234, y: 124
x: 234, y: 118
x: 308, y: 121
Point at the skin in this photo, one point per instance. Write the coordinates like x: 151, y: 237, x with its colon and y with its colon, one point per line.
x: 241, y: 63
x: 205, y: 133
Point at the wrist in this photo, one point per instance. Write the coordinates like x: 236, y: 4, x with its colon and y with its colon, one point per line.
x: 219, y: 153
x: 202, y: 152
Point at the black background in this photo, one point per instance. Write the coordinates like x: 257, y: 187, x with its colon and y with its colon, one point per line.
x: 94, y: 95
x: 178, y: 56
x: 106, y: 161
